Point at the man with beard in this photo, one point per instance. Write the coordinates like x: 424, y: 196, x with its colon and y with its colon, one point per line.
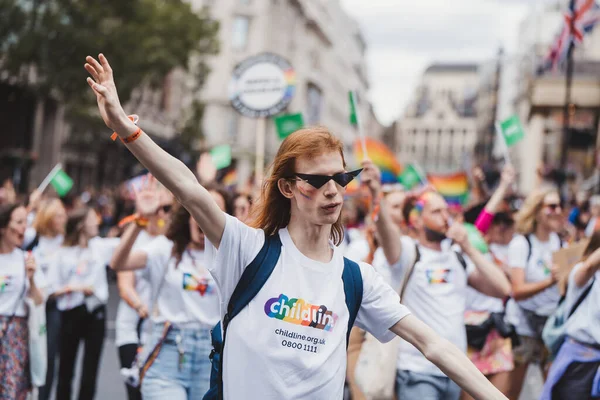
x: 437, y: 276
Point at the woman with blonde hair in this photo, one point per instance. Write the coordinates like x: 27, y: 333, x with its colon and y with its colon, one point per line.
x: 49, y: 225
x: 533, y: 277
x: 289, y: 339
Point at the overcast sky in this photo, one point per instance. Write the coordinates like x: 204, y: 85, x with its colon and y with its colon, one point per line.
x: 404, y: 36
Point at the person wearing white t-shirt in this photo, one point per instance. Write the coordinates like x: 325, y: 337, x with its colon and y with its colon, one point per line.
x: 185, y: 297
x: 19, y: 279
x: 79, y: 284
x: 49, y: 227
x: 134, y: 290
x: 575, y: 371
x: 436, y: 289
x: 301, y: 202
x: 535, y: 294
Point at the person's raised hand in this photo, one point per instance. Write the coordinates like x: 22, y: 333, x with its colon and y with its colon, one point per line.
x: 205, y: 168
x: 371, y: 177
x: 508, y: 175
x: 103, y: 85
x: 147, y: 197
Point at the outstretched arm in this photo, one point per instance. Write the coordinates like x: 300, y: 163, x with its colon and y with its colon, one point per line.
x: 447, y: 357
x: 484, y: 220
x: 388, y: 233
x: 171, y: 172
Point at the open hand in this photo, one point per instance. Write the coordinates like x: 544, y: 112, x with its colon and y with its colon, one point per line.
x: 103, y: 85
x: 147, y: 197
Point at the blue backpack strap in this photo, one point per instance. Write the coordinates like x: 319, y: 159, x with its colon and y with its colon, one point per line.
x: 353, y: 289
x: 251, y: 282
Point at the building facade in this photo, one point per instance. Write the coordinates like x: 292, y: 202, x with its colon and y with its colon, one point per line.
x: 439, y: 127
x: 321, y: 42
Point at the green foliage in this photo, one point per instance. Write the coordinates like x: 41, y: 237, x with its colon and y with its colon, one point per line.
x: 43, y: 43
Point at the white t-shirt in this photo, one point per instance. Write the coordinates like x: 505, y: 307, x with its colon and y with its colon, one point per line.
x: 127, y: 318
x: 435, y: 293
x: 536, y: 269
x: 584, y: 324
x: 83, y: 266
x: 14, y: 284
x: 477, y: 301
x: 357, y: 250
x: 272, y: 351
x: 189, y: 293
x: 46, y: 251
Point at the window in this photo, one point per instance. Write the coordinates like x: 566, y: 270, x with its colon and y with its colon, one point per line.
x: 314, y: 102
x: 239, y: 37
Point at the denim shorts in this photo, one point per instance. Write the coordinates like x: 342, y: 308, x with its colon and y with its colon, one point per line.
x: 414, y: 385
x: 173, y: 377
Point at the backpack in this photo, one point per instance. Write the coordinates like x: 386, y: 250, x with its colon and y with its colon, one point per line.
x: 251, y: 282
x: 554, y: 332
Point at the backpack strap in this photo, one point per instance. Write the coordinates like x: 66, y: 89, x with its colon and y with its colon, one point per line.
x: 528, y: 247
x: 254, y: 277
x: 409, y: 272
x: 461, y: 259
x: 353, y: 289
x: 581, y: 299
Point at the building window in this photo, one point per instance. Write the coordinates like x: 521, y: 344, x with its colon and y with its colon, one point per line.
x: 314, y: 103
x: 239, y: 37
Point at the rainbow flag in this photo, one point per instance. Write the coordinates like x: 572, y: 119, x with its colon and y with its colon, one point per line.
x: 382, y: 156
x: 454, y: 187
x: 230, y: 178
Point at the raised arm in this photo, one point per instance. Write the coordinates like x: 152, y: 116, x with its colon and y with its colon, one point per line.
x: 588, y: 269
x: 171, y: 172
x: 487, y: 277
x: 447, y: 357
x: 484, y: 219
x: 388, y: 233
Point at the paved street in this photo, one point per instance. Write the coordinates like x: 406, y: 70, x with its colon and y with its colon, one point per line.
x: 110, y: 384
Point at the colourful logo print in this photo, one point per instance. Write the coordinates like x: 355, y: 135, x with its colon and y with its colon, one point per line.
x: 300, y: 312
x: 4, y: 282
x: 440, y: 275
x: 200, y: 285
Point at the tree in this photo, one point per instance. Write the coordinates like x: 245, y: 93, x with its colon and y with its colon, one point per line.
x: 43, y: 44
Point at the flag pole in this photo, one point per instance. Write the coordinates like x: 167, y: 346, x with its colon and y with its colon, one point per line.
x: 421, y: 173
x: 568, y: 81
x: 49, y: 177
x: 504, y: 146
x: 361, y: 133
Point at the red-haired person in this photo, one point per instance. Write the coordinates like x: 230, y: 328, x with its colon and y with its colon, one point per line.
x: 300, y: 208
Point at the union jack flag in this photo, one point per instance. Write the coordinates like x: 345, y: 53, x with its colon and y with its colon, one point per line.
x: 585, y: 16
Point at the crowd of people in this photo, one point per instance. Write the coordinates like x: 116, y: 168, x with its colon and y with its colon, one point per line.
x: 296, y: 277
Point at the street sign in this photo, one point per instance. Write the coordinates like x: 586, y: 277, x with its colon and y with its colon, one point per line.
x: 262, y: 85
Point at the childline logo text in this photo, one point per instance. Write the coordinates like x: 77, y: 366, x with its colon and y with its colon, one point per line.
x: 300, y: 312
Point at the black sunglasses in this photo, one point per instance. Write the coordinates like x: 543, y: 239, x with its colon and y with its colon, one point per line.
x: 317, y: 181
x: 166, y: 208
x: 553, y: 206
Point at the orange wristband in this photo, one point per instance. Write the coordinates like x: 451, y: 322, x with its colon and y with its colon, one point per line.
x: 133, y: 137
x: 134, y: 118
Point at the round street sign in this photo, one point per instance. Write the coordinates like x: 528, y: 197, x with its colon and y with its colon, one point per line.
x: 262, y: 85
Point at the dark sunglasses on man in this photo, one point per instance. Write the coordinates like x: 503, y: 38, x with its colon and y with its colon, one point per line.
x: 553, y: 206
x: 317, y: 181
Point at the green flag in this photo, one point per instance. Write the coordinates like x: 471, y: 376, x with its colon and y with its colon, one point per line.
x: 352, y: 99
x: 221, y: 156
x: 288, y: 124
x: 512, y: 130
x: 61, y: 182
x: 410, y: 177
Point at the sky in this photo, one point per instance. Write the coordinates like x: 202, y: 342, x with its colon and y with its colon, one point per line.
x: 404, y: 37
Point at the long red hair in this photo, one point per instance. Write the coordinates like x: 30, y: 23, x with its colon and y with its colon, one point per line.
x: 272, y: 212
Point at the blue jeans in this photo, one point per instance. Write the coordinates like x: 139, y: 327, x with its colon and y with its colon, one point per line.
x: 414, y: 385
x: 169, y: 377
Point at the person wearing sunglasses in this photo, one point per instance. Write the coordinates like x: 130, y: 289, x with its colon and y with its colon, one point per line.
x: 535, y: 294
x: 289, y: 340
x: 134, y: 290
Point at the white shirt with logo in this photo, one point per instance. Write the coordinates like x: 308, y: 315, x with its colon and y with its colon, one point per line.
x: 290, y: 341
x: 83, y: 266
x: 436, y: 294
x: 46, y: 251
x: 126, y: 322
x: 584, y: 324
x: 186, y: 290
x: 537, y: 268
x: 14, y: 285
